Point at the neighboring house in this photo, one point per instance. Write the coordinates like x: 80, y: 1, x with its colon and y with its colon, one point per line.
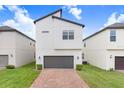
x: 58, y: 41
x: 15, y: 48
x: 105, y: 49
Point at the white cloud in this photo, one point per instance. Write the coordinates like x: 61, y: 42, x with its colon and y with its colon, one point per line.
x: 120, y: 18
x: 113, y: 18
x: 11, y: 23
x: 1, y: 7
x: 21, y: 21
x: 74, y: 10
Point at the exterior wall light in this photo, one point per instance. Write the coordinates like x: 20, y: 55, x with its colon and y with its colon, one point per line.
x: 77, y: 57
x: 110, y: 56
x: 39, y: 57
x: 11, y: 55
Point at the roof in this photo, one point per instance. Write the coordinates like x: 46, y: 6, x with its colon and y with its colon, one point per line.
x: 6, y: 28
x: 113, y: 26
x: 48, y: 15
x: 117, y: 25
x: 10, y: 29
x: 68, y: 21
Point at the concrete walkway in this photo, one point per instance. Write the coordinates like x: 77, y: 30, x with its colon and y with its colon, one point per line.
x: 121, y: 71
x: 59, y: 78
x: 1, y: 68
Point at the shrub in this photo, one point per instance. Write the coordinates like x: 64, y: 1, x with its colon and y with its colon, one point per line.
x: 79, y: 67
x: 84, y: 62
x: 111, y: 69
x: 39, y: 66
x: 10, y: 67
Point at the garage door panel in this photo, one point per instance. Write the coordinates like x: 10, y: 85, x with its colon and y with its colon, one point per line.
x: 3, y: 60
x: 119, y: 63
x: 58, y: 61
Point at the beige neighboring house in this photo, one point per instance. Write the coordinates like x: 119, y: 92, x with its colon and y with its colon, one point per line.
x: 15, y: 47
x: 58, y: 41
x: 105, y: 49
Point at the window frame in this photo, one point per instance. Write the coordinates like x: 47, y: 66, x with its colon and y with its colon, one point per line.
x: 84, y: 44
x: 113, y: 35
x: 66, y: 35
x: 30, y: 43
x: 83, y: 56
x: 69, y: 34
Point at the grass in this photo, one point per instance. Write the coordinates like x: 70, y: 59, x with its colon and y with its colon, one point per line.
x: 98, y: 78
x: 21, y: 77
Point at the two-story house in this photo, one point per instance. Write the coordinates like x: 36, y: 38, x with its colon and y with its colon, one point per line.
x: 16, y: 48
x: 58, y: 41
x: 105, y: 49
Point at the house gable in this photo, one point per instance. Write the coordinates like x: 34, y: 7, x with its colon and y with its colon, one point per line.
x: 10, y: 29
x: 49, y: 32
x: 113, y: 26
x: 57, y: 13
x: 69, y: 21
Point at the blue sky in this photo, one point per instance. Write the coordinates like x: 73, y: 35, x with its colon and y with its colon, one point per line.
x: 93, y: 17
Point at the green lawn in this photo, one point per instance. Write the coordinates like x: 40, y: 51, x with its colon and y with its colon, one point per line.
x: 18, y: 78
x: 98, y: 78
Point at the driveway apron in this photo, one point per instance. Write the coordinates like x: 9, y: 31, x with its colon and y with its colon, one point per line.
x: 59, y: 78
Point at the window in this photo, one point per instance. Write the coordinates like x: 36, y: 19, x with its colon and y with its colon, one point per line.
x: 68, y: 35
x: 84, y: 44
x: 65, y: 35
x: 30, y: 44
x: 71, y: 35
x: 113, y: 35
x: 82, y: 56
x: 34, y: 45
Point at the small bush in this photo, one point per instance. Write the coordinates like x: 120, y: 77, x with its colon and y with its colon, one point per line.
x: 10, y: 67
x: 39, y: 66
x: 84, y: 62
x: 79, y: 67
x: 111, y: 69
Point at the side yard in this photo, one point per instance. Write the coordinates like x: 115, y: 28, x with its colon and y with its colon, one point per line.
x: 98, y: 78
x: 21, y: 77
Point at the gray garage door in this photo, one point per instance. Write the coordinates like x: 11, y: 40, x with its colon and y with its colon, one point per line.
x: 119, y: 63
x: 3, y: 60
x: 58, y: 62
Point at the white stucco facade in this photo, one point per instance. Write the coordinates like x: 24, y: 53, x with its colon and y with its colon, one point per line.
x: 17, y: 47
x: 52, y: 44
x: 101, y: 52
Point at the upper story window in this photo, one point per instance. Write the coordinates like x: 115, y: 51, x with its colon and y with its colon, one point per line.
x: 65, y: 35
x: 71, y: 35
x: 113, y: 35
x: 84, y: 44
x: 30, y: 43
x: 34, y: 45
x: 68, y: 35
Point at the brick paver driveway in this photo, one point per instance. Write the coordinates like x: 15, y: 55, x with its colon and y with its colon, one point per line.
x: 58, y: 78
